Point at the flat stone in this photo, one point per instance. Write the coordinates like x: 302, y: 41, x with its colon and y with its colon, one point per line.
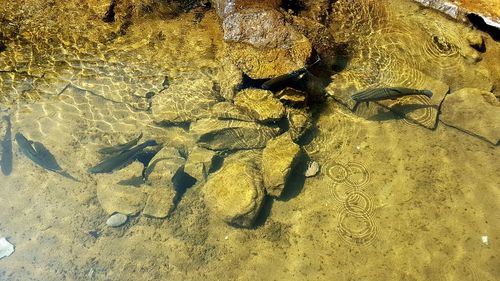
x: 291, y: 95
x: 235, y: 193
x: 261, y: 103
x: 163, y: 168
x: 199, y: 163
x: 120, y: 199
x: 231, y: 134
x: 116, y: 220
x: 474, y: 111
x: 159, y: 203
x: 278, y: 159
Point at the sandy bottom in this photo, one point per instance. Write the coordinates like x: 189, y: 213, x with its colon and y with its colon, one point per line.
x: 393, y: 201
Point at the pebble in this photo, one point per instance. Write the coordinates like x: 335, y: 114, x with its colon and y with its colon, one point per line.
x: 6, y: 248
x: 116, y: 220
x: 312, y: 169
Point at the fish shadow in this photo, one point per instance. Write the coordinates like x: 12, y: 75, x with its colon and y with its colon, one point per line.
x: 397, y: 112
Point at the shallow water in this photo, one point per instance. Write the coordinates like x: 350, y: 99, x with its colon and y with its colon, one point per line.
x: 394, y: 199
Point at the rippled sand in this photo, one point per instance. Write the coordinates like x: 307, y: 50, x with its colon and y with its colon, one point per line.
x: 393, y: 200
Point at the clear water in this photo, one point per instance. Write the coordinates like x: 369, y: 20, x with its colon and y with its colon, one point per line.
x: 394, y: 198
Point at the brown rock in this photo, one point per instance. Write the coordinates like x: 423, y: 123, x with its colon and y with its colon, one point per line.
x: 299, y: 121
x: 120, y: 199
x: 278, y: 159
x: 163, y: 168
x: 474, y: 111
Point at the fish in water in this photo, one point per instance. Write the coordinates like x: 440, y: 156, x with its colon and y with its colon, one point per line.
x: 6, y: 160
x: 40, y: 155
x: 278, y: 83
x: 120, y: 147
x: 121, y: 160
x: 378, y: 94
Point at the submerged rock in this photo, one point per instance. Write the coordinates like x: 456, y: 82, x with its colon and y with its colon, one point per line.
x: 199, y: 163
x: 120, y: 199
x: 231, y: 134
x: 235, y: 193
x: 184, y: 101
x: 159, y: 202
x: 261, y: 103
x: 163, y: 168
x: 278, y: 159
x: 299, y: 122
x: 227, y: 110
x: 474, y: 111
x: 117, y: 220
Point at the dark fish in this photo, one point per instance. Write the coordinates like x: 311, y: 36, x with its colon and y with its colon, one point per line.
x: 378, y: 94
x: 121, y: 160
x: 278, y: 83
x: 39, y: 154
x: 6, y: 161
x: 120, y: 147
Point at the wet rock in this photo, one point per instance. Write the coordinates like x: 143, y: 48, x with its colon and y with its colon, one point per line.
x: 231, y: 134
x: 159, y: 202
x: 163, y: 168
x: 235, y: 193
x: 199, y: 163
x: 260, y: 42
x: 474, y: 111
x: 488, y: 10
x: 278, y: 159
x: 120, y: 199
x: 299, y: 121
x: 268, y: 63
x: 227, y: 7
x: 116, y: 220
x: 261, y: 103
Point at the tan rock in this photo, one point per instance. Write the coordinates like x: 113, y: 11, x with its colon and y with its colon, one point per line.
x: 278, y: 159
x: 235, y: 193
x: 120, y: 199
x: 299, y: 121
x: 163, y: 167
x: 159, y: 202
x: 199, y: 163
x: 231, y: 134
x: 227, y: 110
x: 474, y: 111
x: 261, y: 103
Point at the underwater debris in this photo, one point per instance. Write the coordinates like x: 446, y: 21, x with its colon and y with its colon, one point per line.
x: 6, y: 248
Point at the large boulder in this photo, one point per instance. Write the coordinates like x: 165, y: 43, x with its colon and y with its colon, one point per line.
x: 261, y: 103
x: 474, y: 111
x: 278, y: 159
x: 231, y: 134
x: 235, y: 193
x: 260, y: 42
